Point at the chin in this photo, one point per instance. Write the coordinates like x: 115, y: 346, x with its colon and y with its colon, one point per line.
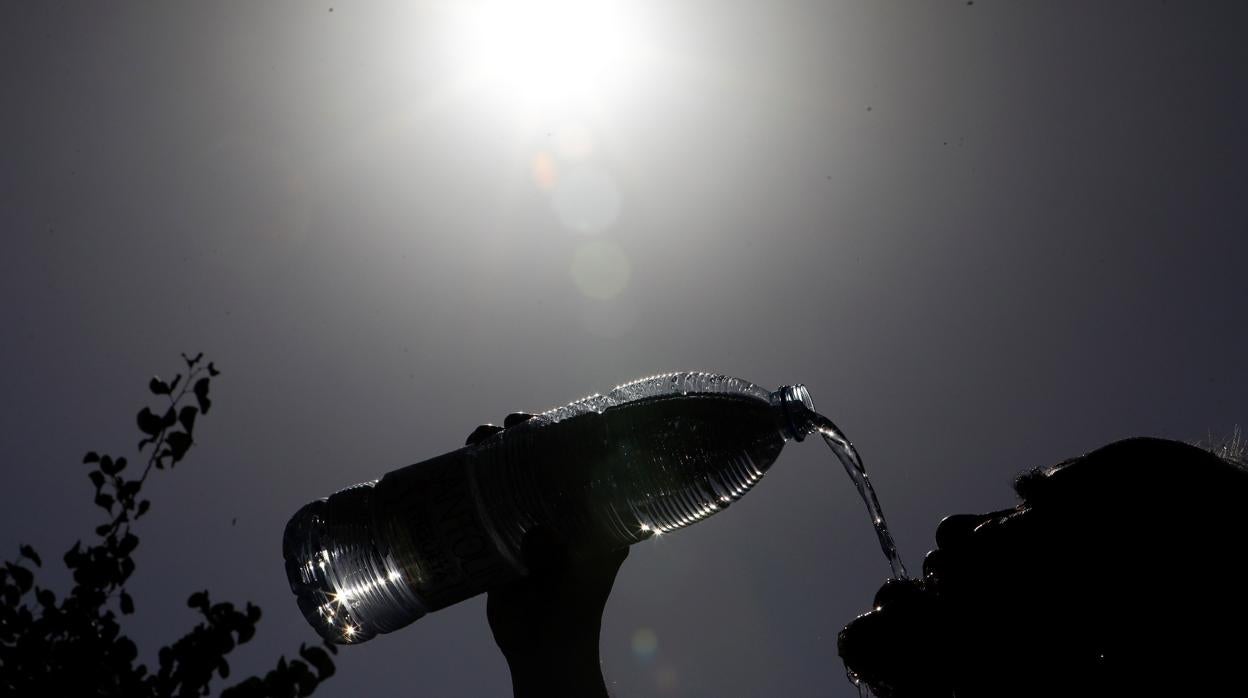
x: 916, y: 646
x: 900, y: 649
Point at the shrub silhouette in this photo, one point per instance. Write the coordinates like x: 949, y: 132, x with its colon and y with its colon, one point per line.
x: 74, y: 646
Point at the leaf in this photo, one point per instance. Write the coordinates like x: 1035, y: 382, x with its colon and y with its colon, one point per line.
x: 253, y: 687
x: 179, y: 442
x: 105, y: 501
x: 319, y: 659
x: 97, y: 478
x: 112, y: 467
x: 24, y: 577
x: 148, y: 423
x: 46, y: 598
x: 158, y: 387
x: 303, y: 678
x: 223, y: 668
x: 128, y: 543
x: 143, y: 507
x: 73, y: 556
x: 212, y: 370
x: 199, y: 600
x: 102, y: 529
x: 91, y: 457
x: 169, y: 419
x: 127, y: 603
x: 30, y: 554
x: 187, y: 417
x: 201, y: 395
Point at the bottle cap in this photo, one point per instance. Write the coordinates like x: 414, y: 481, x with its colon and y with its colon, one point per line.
x: 798, y: 410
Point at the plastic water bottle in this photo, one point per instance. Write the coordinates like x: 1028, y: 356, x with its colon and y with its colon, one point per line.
x: 603, y: 472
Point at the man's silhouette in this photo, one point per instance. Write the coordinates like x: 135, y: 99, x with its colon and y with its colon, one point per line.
x: 1119, y: 573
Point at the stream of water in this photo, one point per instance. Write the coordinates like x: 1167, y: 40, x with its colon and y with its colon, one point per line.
x: 848, y: 455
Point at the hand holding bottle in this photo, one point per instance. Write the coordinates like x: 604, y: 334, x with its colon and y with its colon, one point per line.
x: 547, y: 623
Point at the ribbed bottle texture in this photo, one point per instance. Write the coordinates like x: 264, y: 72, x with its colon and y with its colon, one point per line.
x: 604, y: 472
x: 347, y: 582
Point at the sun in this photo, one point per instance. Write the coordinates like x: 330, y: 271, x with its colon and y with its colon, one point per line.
x: 549, y: 53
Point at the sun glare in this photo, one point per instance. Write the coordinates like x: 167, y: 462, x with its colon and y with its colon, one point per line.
x: 549, y: 53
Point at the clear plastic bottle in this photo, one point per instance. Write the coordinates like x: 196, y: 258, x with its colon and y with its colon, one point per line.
x: 603, y: 472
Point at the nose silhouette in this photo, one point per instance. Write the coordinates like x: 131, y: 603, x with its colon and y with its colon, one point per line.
x: 897, y: 591
x: 954, y: 530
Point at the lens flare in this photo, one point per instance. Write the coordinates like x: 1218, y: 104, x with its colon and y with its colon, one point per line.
x: 600, y: 269
x: 645, y: 643
x: 545, y: 171
x: 587, y: 200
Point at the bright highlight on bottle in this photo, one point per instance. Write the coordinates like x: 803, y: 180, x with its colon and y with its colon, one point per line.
x: 549, y: 53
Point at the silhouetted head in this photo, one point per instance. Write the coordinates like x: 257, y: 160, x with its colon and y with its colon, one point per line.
x: 1118, y: 573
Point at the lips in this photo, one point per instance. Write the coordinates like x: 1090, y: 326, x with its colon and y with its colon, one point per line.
x: 899, y: 648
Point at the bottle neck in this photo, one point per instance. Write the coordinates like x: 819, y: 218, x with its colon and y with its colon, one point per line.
x: 796, y: 411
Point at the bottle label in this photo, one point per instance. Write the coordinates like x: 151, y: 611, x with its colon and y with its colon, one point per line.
x: 437, y: 533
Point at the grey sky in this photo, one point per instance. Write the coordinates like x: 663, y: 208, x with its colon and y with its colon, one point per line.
x: 986, y: 237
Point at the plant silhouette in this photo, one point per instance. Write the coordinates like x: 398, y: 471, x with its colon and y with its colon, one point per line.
x: 75, y: 646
